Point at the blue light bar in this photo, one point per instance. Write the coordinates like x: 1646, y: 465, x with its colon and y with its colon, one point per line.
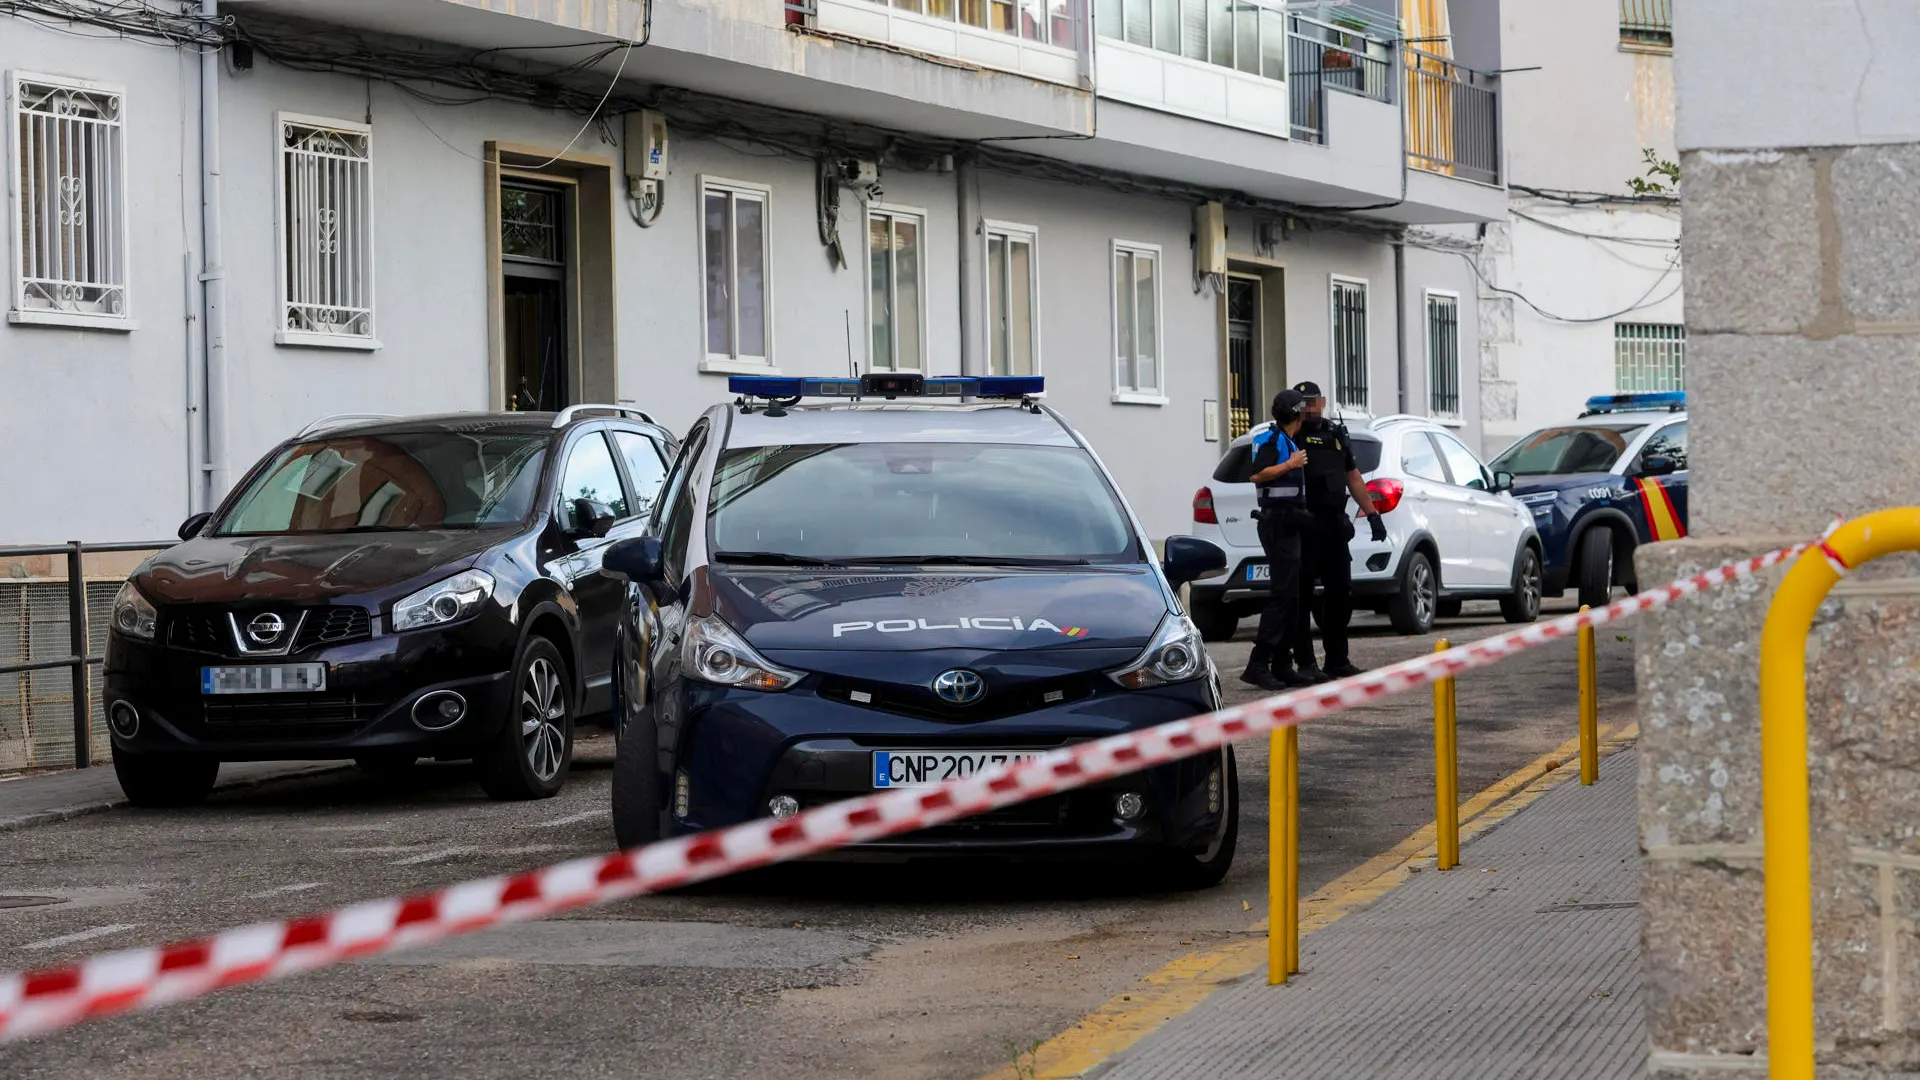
x: 990, y: 386
x: 1608, y: 403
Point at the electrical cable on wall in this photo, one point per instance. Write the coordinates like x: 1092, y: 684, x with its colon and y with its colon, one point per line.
x: 1642, y: 303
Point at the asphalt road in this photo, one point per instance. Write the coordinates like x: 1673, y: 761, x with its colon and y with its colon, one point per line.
x: 792, y: 974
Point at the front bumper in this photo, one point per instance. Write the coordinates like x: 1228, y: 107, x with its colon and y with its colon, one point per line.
x: 367, y: 706
x: 742, y: 749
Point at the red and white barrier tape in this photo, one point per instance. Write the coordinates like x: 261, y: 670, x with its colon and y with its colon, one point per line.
x: 43, y: 1001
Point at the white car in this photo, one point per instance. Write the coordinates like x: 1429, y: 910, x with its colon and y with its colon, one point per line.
x: 1454, y: 533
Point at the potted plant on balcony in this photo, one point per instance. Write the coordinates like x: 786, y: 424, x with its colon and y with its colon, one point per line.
x: 1334, y: 57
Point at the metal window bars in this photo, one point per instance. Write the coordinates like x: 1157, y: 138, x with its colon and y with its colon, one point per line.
x: 1453, y: 118
x: 327, y: 229
x: 1646, y: 22
x: 1649, y: 357
x: 1443, y: 355
x: 1350, y: 345
x: 71, y: 171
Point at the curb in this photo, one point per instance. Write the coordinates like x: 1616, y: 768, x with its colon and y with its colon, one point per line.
x: 83, y: 809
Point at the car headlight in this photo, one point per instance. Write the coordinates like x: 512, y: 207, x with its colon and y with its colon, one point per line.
x: 459, y: 597
x: 132, y: 615
x: 1540, y: 498
x: 713, y: 652
x: 1174, y: 655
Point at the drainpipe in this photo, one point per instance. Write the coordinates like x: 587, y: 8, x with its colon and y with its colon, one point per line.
x: 213, y: 277
x: 968, y: 207
x: 1400, y: 314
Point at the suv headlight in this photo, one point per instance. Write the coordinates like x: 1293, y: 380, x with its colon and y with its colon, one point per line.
x: 1174, y: 655
x: 132, y: 615
x: 713, y: 652
x: 459, y: 597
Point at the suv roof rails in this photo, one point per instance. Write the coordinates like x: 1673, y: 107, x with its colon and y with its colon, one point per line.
x: 566, y: 415
x: 338, y: 419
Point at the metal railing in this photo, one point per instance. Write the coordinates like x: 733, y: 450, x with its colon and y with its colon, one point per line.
x: 1324, y: 55
x: 1646, y: 22
x: 1453, y: 118
x: 47, y: 624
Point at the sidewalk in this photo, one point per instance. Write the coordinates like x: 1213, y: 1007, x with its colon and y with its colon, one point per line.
x: 44, y: 797
x: 1522, y: 963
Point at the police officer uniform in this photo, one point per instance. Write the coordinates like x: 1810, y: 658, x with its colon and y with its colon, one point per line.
x: 1324, y: 555
x: 1281, y: 514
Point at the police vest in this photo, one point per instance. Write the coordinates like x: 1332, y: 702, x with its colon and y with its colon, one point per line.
x: 1325, y: 476
x: 1289, y: 487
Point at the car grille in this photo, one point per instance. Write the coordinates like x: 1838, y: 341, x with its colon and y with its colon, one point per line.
x: 200, y: 631
x: 921, y: 702
x: 207, y: 630
x: 288, y: 715
x: 1073, y: 813
x: 333, y: 626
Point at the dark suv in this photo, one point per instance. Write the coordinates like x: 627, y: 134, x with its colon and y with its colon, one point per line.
x: 385, y: 589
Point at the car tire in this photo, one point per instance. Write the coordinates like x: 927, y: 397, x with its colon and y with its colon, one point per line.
x: 1189, y: 871
x: 1449, y: 609
x: 1217, y: 621
x: 636, y: 781
x: 1522, y: 605
x: 1412, y: 608
x: 1596, y: 567
x: 160, y: 781
x: 387, y: 764
x: 530, y: 756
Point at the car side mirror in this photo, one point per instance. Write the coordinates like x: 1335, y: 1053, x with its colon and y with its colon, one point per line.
x: 1190, y: 558
x: 592, y: 518
x: 637, y: 560
x: 192, y: 526
x: 1503, y: 481
x: 1658, y: 465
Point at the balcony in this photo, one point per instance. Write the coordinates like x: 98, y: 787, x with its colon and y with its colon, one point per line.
x: 1453, y: 119
x: 1041, y: 39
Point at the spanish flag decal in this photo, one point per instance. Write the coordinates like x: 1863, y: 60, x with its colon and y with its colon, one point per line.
x: 1075, y: 631
x: 1662, y: 520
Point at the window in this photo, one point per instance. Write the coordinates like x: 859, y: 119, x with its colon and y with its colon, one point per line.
x: 325, y: 232
x: 733, y: 249
x: 895, y: 269
x: 1251, y: 38
x: 1013, y: 301
x: 70, y: 191
x: 1350, y: 343
x: 1669, y: 442
x: 673, y: 521
x: 1461, y: 463
x: 1443, y: 354
x: 645, y: 470
x: 1646, y: 23
x: 1649, y: 357
x: 1419, y: 458
x: 1582, y: 448
x: 1048, y: 21
x: 590, y: 474
x: 1136, y: 321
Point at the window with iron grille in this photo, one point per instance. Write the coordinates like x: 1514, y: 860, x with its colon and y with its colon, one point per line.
x: 1649, y: 357
x: 1443, y: 355
x: 325, y: 232
x: 1646, y: 23
x: 70, y: 191
x: 1350, y: 343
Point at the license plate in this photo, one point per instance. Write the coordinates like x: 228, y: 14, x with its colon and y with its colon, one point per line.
x: 1262, y: 572
x: 920, y: 768
x: 264, y: 679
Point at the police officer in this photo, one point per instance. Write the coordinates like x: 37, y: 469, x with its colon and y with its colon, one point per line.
x: 1278, y: 477
x: 1330, y: 476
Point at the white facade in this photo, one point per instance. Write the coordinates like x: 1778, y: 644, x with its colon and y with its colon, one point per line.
x: 98, y: 426
x: 1580, y: 281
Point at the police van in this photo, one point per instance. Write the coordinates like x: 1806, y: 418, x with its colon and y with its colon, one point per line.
x: 851, y: 585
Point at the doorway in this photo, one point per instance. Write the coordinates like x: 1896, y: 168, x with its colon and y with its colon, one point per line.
x: 533, y: 268
x: 1243, y: 353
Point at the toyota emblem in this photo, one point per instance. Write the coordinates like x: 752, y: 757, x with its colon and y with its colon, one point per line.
x: 959, y: 687
x: 265, y: 629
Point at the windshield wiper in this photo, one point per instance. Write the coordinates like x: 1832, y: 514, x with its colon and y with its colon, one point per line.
x: 965, y: 560
x: 770, y: 558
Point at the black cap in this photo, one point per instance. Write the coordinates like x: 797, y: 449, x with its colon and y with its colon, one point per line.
x: 1308, y: 390
x: 1288, y: 401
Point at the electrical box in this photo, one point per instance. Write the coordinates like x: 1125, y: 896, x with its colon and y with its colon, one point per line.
x: 646, y: 145
x: 1210, y: 239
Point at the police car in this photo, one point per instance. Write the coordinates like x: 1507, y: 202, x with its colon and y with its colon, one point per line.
x: 909, y: 581
x: 1601, y: 486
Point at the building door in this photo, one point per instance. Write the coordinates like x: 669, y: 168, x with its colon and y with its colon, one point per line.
x: 533, y: 265
x: 1243, y: 354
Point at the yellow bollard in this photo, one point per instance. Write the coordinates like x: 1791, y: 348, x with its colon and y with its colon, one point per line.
x: 1282, y: 890
x: 1589, y: 707
x: 1446, y: 771
x: 1293, y: 849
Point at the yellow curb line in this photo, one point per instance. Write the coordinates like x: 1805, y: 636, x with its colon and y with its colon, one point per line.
x: 1184, y: 983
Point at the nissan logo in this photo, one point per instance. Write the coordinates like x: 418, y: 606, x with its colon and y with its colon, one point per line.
x: 265, y: 629
x: 958, y: 687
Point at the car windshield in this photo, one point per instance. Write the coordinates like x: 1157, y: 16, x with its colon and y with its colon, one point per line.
x: 1236, y: 465
x: 1586, y: 448
x: 897, y: 502
x: 407, y: 480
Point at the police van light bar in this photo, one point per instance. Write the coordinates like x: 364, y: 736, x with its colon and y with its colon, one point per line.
x: 887, y: 385
x: 1609, y: 403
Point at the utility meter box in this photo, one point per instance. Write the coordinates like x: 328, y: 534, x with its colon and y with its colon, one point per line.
x: 1210, y: 239
x: 646, y: 145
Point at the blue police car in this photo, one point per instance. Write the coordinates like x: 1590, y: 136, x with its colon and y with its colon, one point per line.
x: 1601, y: 486
x: 909, y: 581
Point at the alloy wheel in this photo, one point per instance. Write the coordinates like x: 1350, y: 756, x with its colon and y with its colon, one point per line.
x: 1425, y: 596
x: 543, y: 705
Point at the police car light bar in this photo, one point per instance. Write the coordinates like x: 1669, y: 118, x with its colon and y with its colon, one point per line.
x: 887, y: 385
x: 1673, y: 400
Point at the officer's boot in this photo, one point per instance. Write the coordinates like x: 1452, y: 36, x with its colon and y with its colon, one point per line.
x: 1260, y: 672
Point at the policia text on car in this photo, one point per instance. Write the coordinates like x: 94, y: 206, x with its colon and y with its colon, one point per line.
x: 1279, y: 478
x: 1330, y: 476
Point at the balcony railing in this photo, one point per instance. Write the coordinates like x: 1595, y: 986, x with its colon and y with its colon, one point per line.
x: 1646, y: 22
x: 1453, y: 118
x: 1326, y: 55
